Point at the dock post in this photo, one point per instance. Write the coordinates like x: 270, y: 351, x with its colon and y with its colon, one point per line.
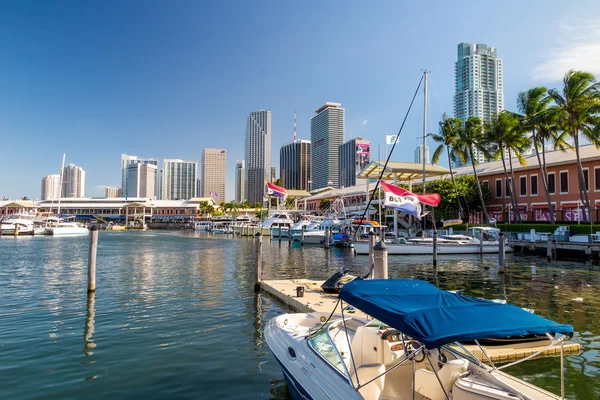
x: 381, y: 260
x: 501, y: 253
x: 279, y: 231
x: 253, y: 230
x: 481, y: 246
x: 326, y: 244
x: 290, y: 236
x: 271, y: 235
x: 549, y: 248
x: 92, y: 259
x: 435, y: 243
x: 16, y: 232
x: 371, y: 254
x: 303, y: 230
x: 258, y: 266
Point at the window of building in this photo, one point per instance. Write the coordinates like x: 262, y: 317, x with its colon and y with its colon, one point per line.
x: 485, y: 184
x: 498, y: 187
x: 551, y: 183
x: 533, y: 186
x: 508, y: 188
x: 523, y: 185
x: 586, y: 178
x: 564, y: 182
x: 597, y: 178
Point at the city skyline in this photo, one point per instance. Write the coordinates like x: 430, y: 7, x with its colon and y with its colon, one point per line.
x: 169, y: 96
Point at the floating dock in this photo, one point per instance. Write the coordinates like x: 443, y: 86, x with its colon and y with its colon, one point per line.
x: 315, y: 300
x: 559, y: 248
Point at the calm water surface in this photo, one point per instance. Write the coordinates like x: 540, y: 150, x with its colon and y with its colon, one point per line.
x: 175, y: 315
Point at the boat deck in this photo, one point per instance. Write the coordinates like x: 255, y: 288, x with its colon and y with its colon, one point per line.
x: 315, y: 300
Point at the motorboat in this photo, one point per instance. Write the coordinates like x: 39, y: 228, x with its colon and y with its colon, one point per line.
x: 68, y: 229
x: 408, y: 347
x: 17, y: 224
x: 485, y: 240
x: 278, y: 221
x: 202, y: 226
x: 315, y: 233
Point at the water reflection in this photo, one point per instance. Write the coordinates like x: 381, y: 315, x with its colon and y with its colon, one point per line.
x: 88, y: 329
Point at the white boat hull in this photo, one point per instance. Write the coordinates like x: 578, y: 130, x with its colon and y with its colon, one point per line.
x: 69, y: 231
x: 310, y: 237
x: 9, y: 229
x: 362, y: 248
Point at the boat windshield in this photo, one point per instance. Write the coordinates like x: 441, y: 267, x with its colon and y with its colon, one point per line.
x: 322, y: 345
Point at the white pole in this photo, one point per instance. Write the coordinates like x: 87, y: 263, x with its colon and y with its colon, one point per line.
x: 396, y: 211
x: 92, y: 259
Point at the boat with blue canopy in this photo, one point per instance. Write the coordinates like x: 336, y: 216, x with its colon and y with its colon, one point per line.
x: 410, y: 346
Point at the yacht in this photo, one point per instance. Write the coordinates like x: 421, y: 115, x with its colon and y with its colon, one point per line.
x: 279, y: 220
x: 315, y: 233
x: 409, y: 346
x: 17, y: 224
x: 64, y: 228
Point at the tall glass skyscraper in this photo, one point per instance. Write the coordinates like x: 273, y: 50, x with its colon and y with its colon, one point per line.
x: 479, y: 89
x: 179, y: 179
x: 240, y: 181
x: 127, y: 160
x: 294, y: 164
x: 258, y: 155
x: 213, y: 174
x: 326, y: 136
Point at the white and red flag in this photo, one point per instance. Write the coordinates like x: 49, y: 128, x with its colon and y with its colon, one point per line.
x: 276, y: 191
x: 407, y: 202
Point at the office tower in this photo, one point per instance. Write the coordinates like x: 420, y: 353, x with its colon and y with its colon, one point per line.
x: 142, y: 180
x: 179, y: 179
x: 326, y: 136
x: 50, y: 187
x: 258, y: 155
x: 213, y: 165
x: 240, y: 181
x: 73, y: 181
x: 479, y: 89
x: 273, y: 174
x: 294, y: 165
x: 112, y: 192
x: 126, y: 160
x: 355, y: 154
x: 419, y: 155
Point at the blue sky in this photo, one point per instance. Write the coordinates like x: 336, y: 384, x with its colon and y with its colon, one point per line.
x: 166, y: 79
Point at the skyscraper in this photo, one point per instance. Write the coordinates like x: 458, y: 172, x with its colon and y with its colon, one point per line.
x: 73, y: 181
x: 142, y: 180
x: 240, y: 181
x: 50, y: 187
x: 214, y: 169
x: 294, y: 164
x: 326, y: 136
x: 479, y: 89
x: 126, y: 160
x: 112, y: 192
x: 273, y: 174
x: 179, y: 179
x: 258, y: 155
x: 419, y: 155
x: 355, y: 154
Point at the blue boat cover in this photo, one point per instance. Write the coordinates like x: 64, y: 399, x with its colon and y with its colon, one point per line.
x: 435, y: 317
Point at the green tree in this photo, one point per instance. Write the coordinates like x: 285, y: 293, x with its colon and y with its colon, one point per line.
x: 577, y: 106
x: 449, y: 130
x: 324, y: 205
x: 206, y: 209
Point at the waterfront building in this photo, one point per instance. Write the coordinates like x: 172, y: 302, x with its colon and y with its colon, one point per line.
x: 142, y: 180
x: 179, y: 179
x: 419, y: 155
x: 73, y: 181
x: 240, y: 179
x: 294, y: 165
x: 50, y: 187
x: 127, y: 160
x: 258, y: 155
x: 479, y: 89
x: 112, y: 192
x: 213, y: 174
x: 354, y: 156
x: 326, y: 136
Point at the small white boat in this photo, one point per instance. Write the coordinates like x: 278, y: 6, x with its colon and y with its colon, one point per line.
x: 17, y: 224
x: 411, y: 350
x: 68, y: 229
x: 315, y: 233
x: 202, y: 226
x: 279, y: 220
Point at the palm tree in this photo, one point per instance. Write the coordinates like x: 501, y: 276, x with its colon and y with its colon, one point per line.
x: 577, y: 107
x: 470, y: 138
x: 532, y: 105
x: 447, y: 138
x: 503, y: 136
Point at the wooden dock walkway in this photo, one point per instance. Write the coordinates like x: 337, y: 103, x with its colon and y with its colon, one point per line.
x: 559, y: 248
x: 315, y: 300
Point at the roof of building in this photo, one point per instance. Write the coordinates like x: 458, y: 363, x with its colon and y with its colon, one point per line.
x: 327, y: 105
x: 297, y: 194
x: 18, y: 203
x: 359, y: 189
x: 404, y: 171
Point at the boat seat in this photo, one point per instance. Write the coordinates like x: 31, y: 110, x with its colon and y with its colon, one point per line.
x: 426, y: 383
x: 366, y: 372
x: 364, y: 345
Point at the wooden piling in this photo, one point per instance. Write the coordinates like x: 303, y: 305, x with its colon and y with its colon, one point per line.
x: 258, y: 264
x: 16, y: 232
x: 279, y: 233
x: 435, y: 243
x: 92, y: 259
x: 380, y: 271
x: 501, y: 252
x: 549, y: 248
x: 371, y: 253
x: 303, y: 230
x: 327, y: 233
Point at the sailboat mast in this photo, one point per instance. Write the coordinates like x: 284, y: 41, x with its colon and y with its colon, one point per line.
x: 424, y: 127
x: 60, y: 180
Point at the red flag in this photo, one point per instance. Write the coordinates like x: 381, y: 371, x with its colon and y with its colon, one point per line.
x: 432, y: 199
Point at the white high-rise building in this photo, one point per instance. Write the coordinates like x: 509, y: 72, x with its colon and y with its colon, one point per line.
x: 326, y: 136
x: 258, y: 155
x: 355, y: 154
x: 50, y: 187
x: 419, y: 155
x: 213, y: 176
x: 240, y: 181
x: 126, y: 160
x: 142, y: 180
x: 73, y: 181
x: 112, y: 192
x: 479, y: 89
x: 179, y: 179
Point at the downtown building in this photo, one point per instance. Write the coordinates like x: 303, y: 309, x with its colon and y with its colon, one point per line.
x: 294, y: 165
x: 73, y: 181
x: 258, y: 155
x: 240, y: 181
x: 419, y: 155
x: 354, y: 155
x: 178, y: 179
x: 213, y: 164
x: 111, y: 192
x: 479, y: 89
x: 326, y: 136
x: 50, y: 187
x: 127, y: 160
x: 142, y: 180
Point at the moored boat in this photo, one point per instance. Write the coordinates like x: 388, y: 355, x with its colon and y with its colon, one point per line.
x: 68, y: 229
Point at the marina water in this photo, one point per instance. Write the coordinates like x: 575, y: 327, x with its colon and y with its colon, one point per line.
x: 175, y: 315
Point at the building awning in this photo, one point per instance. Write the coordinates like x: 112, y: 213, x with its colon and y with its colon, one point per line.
x: 541, y: 207
x: 403, y: 171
